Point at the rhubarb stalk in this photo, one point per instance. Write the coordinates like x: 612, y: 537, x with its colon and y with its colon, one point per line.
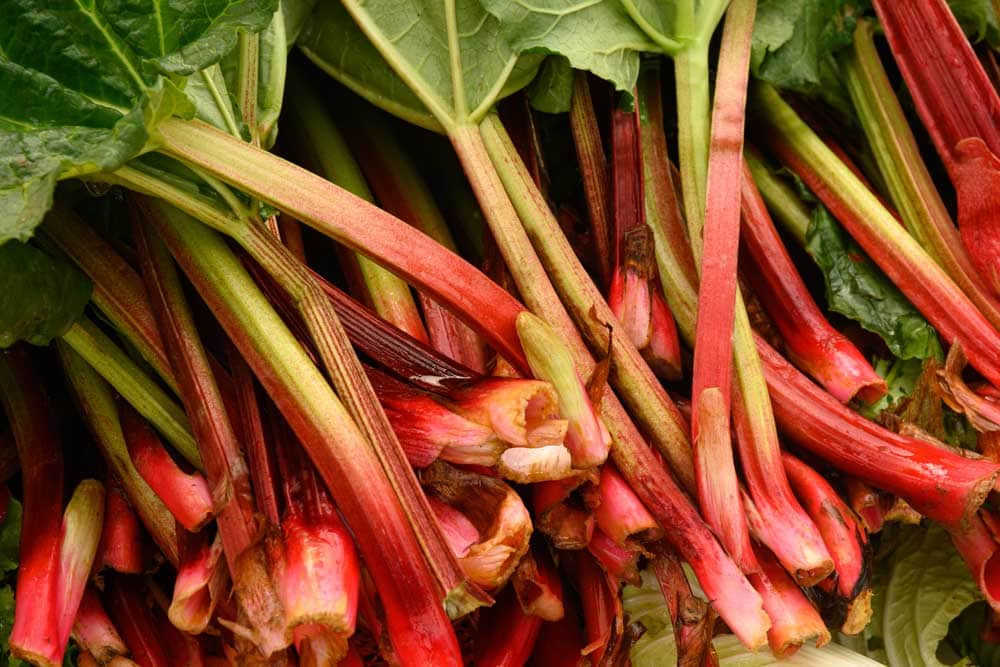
x: 186, y: 495
x: 225, y: 468
x: 418, y: 626
x: 919, y: 277
x: 123, y: 546
x: 634, y: 296
x: 903, y: 170
x: 311, y: 135
x: 36, y: 632
x: 711, y: 393
x: 593, y: 169
x: 822, y: 351
x: 960, y: 108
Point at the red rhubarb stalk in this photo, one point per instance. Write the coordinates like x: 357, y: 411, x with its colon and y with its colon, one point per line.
x: 602, y: 607
x: 866, y: 503
x: 979, y: 549
x: 621, y: 515
x: 507, y: 634
x: 418, y: 626
x: 794, y: 620
x: 123, y: 543
x: 36, y: 632
x: 94, y: 631
x: 841, y: 532
x: 132, y: 613
x: 939, y: 483
x: 919, y: 277
x: 560, y: 644
x: 634, y: 295
x: 711, y: 393
x: 319, y: 574
x: 200, y: 583
x: 960, y: 108
x: 186, y: 495
x: 815, y: 346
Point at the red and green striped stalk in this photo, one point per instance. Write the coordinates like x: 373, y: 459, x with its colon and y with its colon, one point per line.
x: 417, y: 622
x: 225, y: 467
x: 401, y: 191
x: 904, y: 173
x: 919, y: 277
x: 311, y: 135
x: 960, y: 109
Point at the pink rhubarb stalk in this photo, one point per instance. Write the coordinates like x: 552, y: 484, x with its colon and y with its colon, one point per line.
x: 621, y: 515
x: 711, y: 393
x: 319, y: 577
x: 186, y: 495
x: 618, y: 560
x: 815, y: 346
x: 538, y: 585
x: 200, y: 584
x: 94, y: 631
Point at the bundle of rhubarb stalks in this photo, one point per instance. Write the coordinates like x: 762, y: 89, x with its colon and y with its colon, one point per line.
x: 532, y: 318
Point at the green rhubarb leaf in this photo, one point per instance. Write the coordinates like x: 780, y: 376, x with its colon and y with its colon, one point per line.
x: 928, y: 585
x: 552, y: 90
x: 85, y: 84
x: 451, y: 57
x: 857, y: 289
x: 794, y: 44
x: 599, y: 37
x: 42, y: 296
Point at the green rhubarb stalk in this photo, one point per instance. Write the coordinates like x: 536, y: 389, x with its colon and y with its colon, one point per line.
x: 782, y: 202
x: 903, y: 170
x: 417, y: 624
x: 135, y: 386
x: 630, y: 375
x: 311, y: 134
x: 97, y: 406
